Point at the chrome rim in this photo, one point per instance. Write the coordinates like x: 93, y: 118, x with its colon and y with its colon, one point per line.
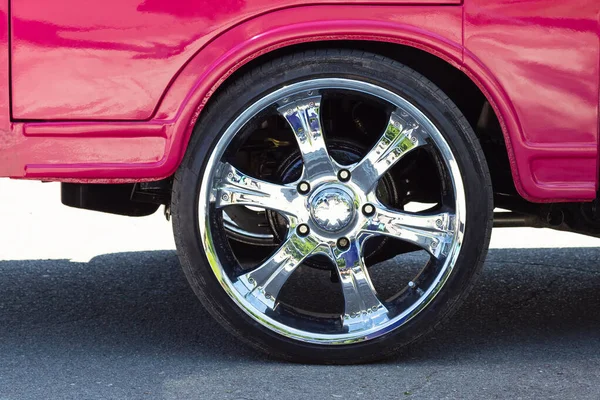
x: 332, y: 211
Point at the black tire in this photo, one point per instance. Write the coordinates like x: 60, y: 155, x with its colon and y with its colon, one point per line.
x: 332, y: 63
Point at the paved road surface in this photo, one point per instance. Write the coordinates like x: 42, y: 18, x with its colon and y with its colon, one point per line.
x: 88, y: 311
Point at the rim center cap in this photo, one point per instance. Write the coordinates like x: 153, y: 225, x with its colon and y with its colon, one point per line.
x: 332, y: 209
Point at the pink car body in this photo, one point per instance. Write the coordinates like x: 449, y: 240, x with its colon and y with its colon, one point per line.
x: 108, y: 92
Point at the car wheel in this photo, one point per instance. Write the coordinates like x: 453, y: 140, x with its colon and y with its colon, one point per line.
x: 332, y: 207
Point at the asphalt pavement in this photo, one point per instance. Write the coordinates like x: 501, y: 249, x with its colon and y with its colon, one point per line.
x: 96, y: 307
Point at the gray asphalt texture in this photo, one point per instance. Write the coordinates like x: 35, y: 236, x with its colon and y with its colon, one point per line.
x: 127, y: 326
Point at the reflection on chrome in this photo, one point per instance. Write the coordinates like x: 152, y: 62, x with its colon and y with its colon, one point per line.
x: 337, y: 215
x: 303, y: 116
x: 400, y: 137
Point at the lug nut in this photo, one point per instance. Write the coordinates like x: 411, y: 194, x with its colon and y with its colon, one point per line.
x: 343, y: 243
x: 368, y: 210
x: 303, y: 229
x: 344, y: 175
x: 303, y: 188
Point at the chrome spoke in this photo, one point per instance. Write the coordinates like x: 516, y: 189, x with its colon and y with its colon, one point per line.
x: 431, y: 232
x: 303, y: 116
x: 233, y: 187
x: 399, y: 138
x: 264, y: 283
x: 362, y: 308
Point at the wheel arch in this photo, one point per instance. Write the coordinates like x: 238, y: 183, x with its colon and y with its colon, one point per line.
x: 406, y: 44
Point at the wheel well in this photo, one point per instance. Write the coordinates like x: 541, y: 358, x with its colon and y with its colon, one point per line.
x: 453, y: 82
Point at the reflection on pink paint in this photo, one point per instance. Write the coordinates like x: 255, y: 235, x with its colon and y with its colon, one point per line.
x: 148, y: 63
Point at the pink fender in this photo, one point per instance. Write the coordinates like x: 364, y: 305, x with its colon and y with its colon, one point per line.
x: 153, y: 149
